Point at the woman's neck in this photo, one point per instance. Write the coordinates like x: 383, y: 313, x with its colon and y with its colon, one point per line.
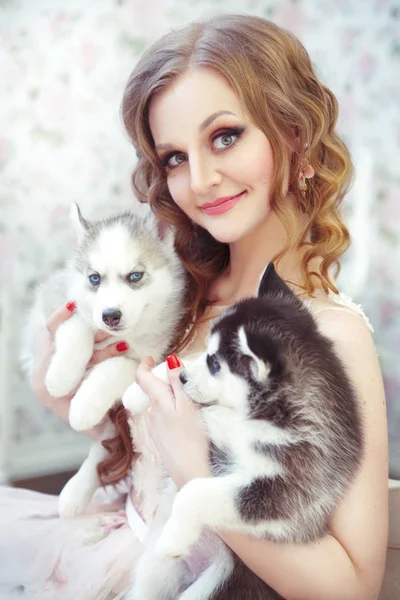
x: 249, y: 257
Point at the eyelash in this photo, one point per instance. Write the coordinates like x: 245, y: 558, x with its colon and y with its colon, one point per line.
x: 233, y: 131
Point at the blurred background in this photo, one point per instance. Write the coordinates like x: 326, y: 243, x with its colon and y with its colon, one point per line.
x: 63, y: 67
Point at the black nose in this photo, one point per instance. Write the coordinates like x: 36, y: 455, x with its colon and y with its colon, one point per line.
x: 111, y: 317
x: 183, y: 377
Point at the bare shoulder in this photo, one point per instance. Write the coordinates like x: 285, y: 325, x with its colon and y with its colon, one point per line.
x: 360, y: 522
x: 350, y: 335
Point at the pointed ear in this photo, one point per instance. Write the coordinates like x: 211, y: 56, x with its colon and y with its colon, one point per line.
x: 81, y: 226
x: 270, y: 282
x: 164, y: 232
x: 261, y: 369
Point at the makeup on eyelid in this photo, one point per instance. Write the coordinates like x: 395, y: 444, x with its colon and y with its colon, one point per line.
x: 221, y: 132
x: 219, y: 166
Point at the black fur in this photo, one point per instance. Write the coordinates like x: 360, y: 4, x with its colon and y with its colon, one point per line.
x: 307, y: 393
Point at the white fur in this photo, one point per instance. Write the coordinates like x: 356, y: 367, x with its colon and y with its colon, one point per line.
x: 79, y: 490
x: 213, y: 577
x: 74, y: 347
x: 209, y: 503
x: 150, y: 312
x: 98, y: 392
x: 261, y: 370
x: 213, y: 343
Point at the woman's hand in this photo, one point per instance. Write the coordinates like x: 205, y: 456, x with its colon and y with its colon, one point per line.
x: 174, y: 423
x: 44, y: 348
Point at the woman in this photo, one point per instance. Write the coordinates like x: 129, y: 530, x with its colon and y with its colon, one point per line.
x: 237, y: 149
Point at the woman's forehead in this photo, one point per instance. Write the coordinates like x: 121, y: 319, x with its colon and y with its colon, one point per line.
x: 194, y: 97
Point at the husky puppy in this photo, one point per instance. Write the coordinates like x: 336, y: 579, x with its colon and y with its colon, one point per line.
x: 285, y: 441
x: 127, y: 280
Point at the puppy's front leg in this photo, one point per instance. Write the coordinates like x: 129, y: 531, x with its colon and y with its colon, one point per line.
x: 104, y: 385
x: 73, y: 341
x: 78, y: 491
x: 207, y: 502
x: 134, y: 398
x: 157, y: 578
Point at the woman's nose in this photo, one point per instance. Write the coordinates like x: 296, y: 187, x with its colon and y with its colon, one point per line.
x: 203, y: 175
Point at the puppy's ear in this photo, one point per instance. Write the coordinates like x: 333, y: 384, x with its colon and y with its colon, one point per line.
x: 261, y: 369
x: 81, y: 226
x: 271, y: 284
x: 163, y: 231
x: 166, y: 233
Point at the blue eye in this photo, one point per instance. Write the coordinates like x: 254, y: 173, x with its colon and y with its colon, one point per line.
x: 95, y: 279
x: 173, y: 160
x: 135, y: 276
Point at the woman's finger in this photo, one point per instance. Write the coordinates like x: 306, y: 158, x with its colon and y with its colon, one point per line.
x: 100, y: 336
x: 117, y: 349
x: 157, y: 390
x: 175, y: 368
x: 59, y: 316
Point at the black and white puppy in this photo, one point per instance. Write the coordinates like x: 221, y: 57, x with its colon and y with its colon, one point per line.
x: 285, y: 438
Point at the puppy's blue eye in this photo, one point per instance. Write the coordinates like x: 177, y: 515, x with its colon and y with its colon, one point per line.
x: 213, y: 364
x: 95, y: 279
x: 135, y: 276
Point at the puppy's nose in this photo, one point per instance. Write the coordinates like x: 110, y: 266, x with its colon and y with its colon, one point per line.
x: 111, y: 317
x: 183, y: 377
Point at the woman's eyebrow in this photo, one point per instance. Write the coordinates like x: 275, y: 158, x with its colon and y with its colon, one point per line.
x: 212, y: 118
x: 202, y: 127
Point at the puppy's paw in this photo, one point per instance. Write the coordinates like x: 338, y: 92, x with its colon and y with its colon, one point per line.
x: 175, y: 541
x: 135, y: 400
x: 86, y: 412
x: 74, y: 497
x: 59, y: 380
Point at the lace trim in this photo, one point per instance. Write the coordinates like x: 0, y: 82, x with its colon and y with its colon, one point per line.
x: 344, y: 301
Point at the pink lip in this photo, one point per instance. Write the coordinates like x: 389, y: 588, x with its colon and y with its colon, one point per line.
x: 221, y: 205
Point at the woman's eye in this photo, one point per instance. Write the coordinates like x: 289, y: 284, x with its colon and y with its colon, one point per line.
x: 95, y: 279
x: 224, y: 141
x: 135, y: 276
x: 174, y: 160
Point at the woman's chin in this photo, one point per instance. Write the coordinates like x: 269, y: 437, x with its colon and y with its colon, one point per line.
x: 229, y: 233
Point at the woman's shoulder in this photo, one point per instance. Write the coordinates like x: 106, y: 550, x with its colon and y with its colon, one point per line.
x: 334, y: 308
x: 347, y: 326
x: 345, y: 323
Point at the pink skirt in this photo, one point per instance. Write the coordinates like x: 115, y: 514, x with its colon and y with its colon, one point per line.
x: 43, y: 557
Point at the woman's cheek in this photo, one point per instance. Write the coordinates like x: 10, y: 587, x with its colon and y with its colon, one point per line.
x: 180, y: 192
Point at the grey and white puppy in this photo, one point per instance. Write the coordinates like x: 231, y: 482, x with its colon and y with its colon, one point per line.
x: 126, y: 280
x: 286, y: 440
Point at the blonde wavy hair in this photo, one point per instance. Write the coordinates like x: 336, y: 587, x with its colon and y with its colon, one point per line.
x: 272, y: 75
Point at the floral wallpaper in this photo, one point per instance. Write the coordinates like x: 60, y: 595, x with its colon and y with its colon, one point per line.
x: 63, y: 67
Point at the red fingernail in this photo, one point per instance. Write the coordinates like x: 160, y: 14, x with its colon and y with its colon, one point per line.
x: 71, y: 306
x: 122, y: 347
x: 173, y: 362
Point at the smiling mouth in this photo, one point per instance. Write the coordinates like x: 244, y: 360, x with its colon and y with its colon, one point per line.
x: 221, y: 206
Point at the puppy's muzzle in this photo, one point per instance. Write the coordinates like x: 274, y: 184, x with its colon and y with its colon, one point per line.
x: 111, y: 317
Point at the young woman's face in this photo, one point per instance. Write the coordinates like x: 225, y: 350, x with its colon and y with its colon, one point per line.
x: 219, y: 165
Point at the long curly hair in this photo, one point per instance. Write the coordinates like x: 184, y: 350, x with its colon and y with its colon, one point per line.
x: 272, y: 75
